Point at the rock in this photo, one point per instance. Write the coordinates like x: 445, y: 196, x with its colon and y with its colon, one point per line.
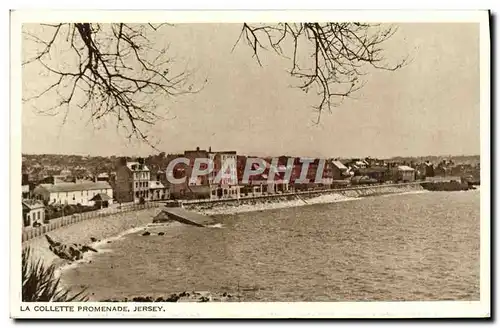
x: 181, y: 297
x: 71, y: 252
x: 93, y: 240
x: 51, y: 241
x: 147, y: 233
x: 172, y: 298
x: 161, y: 233
x: 109, y: 241
x: 85, y: 248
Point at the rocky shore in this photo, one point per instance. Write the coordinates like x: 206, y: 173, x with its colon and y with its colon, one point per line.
x: 182, y: 297
x: 91, y: 232
x: 72, y: 252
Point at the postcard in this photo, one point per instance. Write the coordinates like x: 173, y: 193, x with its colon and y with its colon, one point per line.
x: 250, y: 164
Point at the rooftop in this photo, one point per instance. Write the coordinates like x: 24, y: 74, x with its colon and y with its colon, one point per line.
x: 136, y: 166
x: 75, y: 186
x: 156, y: 185
x: 405, y: 168
x: 339, y: 165
x: 373, y: 169
x: 32, y: 204
x: 101, y: 197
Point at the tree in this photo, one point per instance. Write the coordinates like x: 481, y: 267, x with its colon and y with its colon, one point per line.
x: 115, y: 69
x: 330, y: 58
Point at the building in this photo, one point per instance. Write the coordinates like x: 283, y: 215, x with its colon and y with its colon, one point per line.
x: 406, y: 173
x: 132, y: 182
x: 192, y: 155
x: 264, y: 184
x: 157, y: 191
x: 339, y: 171
x: 223, y: 178
x: 101, y: 200
x: 103, y: 177
x: 378, y: 173
x: 72, y: 193
x: 191, y: 187
x: 33, y: 211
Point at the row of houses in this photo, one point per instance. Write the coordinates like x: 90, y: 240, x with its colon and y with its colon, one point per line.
x: 135, y: 181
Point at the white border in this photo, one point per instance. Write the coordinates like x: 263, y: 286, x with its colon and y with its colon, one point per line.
x: 263, y: 310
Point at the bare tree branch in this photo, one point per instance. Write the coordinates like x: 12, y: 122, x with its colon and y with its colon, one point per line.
x: 339, y: 54
x: 118, y: 72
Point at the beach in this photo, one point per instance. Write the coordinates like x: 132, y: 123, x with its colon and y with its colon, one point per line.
x: 102, y: 228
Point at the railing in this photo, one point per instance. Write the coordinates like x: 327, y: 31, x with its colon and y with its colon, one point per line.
x: 33, y: 232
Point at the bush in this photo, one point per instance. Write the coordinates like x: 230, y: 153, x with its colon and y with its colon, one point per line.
x: 40, y: 283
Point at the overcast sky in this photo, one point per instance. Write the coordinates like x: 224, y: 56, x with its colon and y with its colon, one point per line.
x: 430, y: 107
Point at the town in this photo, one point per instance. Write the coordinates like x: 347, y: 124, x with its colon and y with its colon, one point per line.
x: 55, y: 186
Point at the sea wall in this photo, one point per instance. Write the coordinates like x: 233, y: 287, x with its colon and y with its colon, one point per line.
x: 447, y: 186
x: 57, y: 223
x: 275, y: 201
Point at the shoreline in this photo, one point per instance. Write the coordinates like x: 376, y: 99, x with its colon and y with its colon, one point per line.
x: 298, y: 200
x: 107, y: 229
x: 114, y: 227
x: 102, y: 229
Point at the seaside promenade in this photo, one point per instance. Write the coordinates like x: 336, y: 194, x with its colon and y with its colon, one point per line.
x: 353, y: 191
x: 34, y: 232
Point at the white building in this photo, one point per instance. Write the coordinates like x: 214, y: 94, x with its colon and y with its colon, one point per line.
x: 157, y: 191
x: 224, y: 175
x: 72, y: 193
x: 33, y: 211
x: 406, y: 173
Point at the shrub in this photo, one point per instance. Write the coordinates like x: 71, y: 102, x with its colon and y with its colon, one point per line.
x: 40, y: 283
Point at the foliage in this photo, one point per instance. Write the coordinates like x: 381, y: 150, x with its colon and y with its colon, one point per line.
x: 40, y: 283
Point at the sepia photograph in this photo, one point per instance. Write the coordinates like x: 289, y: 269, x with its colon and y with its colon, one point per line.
x: 329, y: 160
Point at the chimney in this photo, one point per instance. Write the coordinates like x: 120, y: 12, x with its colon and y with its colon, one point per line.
x: 197, y: 148
x: 210, y: 149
